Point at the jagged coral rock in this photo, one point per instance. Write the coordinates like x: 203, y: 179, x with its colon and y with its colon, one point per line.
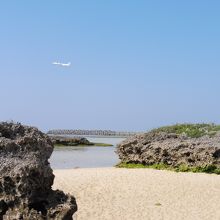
x: 171, y: 149
x: 26, y: 177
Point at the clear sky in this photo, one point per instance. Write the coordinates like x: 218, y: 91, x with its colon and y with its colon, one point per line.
x: 136, y: 65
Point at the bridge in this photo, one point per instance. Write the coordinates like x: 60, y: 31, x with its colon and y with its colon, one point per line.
x: 91, y: 132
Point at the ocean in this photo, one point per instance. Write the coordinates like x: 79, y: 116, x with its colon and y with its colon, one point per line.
x: 86, y: 156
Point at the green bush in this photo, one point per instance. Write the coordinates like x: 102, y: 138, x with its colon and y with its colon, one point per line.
x: 191, y: 130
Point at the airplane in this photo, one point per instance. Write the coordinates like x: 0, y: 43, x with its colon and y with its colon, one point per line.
x: 61, y: 64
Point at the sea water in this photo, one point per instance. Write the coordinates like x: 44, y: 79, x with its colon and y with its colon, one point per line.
x: 86, y: 156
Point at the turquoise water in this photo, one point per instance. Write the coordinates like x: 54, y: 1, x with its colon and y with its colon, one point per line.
x: 86, y: 156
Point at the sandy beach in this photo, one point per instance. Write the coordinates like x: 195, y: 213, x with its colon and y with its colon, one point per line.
x: 136, y: 194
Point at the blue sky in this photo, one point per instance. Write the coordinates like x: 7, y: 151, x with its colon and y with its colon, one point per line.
x: 136, y: 65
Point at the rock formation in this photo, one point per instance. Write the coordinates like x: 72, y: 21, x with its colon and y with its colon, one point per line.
x: 26, y: 177
x: 173, y: 149
x: 66, y: 141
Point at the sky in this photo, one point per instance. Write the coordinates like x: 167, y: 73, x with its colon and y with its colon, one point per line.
x: 135, y: 65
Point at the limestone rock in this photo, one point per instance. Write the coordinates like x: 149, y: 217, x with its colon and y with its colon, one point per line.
x: 171, y: 149
x: 26, y: 177
x: 69, y: 141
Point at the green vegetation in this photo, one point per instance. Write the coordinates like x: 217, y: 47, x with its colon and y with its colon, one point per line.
x: 69, y: 144
x: 102, y: 145
x: 181, y: 168
x: 191, y: 130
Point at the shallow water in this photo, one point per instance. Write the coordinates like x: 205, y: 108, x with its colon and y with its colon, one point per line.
x: 86, y: 156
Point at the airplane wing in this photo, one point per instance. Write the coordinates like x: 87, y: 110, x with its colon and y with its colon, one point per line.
x: 55, y: 63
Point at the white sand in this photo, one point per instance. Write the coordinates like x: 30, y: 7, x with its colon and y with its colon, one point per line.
x: 141, y: 194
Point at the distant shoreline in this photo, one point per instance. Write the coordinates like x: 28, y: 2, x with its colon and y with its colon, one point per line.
x: 89, y: 136
x: 92, y: 133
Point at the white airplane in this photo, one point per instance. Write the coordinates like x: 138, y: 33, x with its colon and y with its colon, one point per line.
x: 61, y: 64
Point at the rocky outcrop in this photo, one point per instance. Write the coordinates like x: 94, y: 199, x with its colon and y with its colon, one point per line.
x: 26, y: 177
x: 172, y: 149
x: 66, y: 141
